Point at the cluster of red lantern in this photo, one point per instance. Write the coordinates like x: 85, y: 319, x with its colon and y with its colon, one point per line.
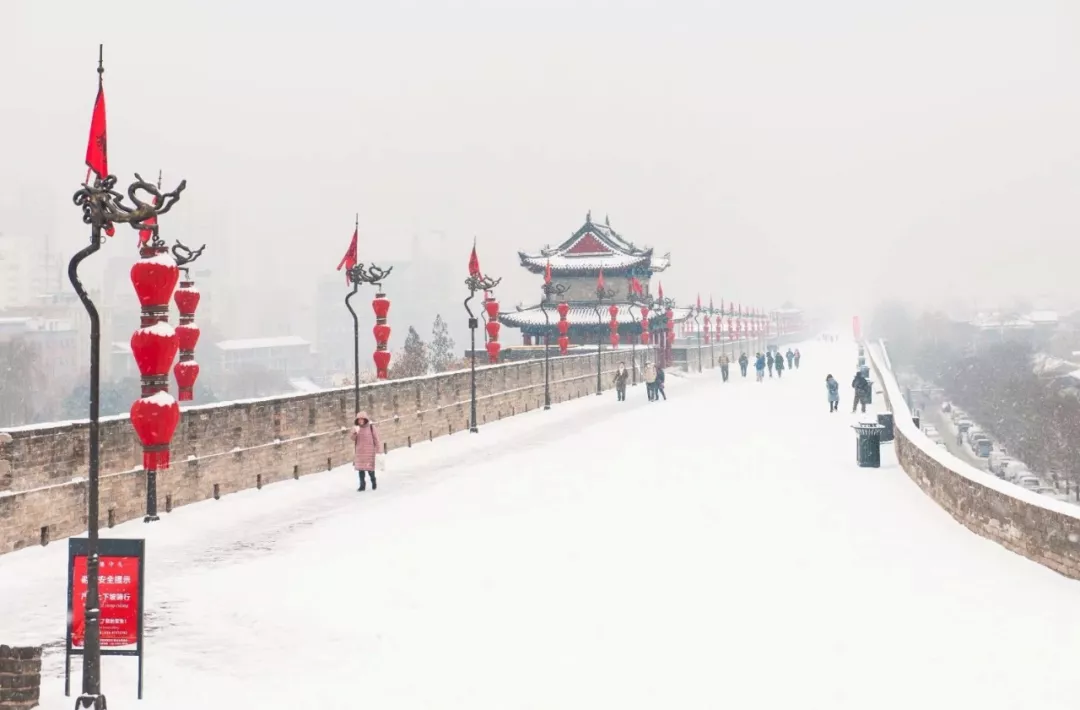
x: 156, y: 414
x: 644, y: 325
x: 381, y: 331
x: 613, y: 324
x: 492, y: 327
x: 670, y: 316
x: 187, y: 336
x: 564, y: 327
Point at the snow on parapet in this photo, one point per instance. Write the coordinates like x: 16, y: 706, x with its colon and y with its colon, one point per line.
x: 902, y: 419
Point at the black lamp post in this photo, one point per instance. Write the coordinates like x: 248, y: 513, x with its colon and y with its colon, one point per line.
x: 709, y: 313
x: 695, y: 313
x: 475, y: 282
x: 550, y: 289
x: 602, y: 293
x: 102, y: 206
x: 359, y: 275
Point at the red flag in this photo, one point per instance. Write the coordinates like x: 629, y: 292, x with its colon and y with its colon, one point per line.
x: 699, y: 301
x: 600, y: 281
x: 660, y: 291
x: 145, y: 234
x: 351, y: 258
x: 710, y: 302
x: 97, y: 153
x: 547, y: 272
x: 635, y: 285
x: 474, y: 262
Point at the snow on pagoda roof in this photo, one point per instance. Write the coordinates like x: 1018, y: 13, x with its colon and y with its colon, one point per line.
x: 580, y: 315
x: 591, y: 248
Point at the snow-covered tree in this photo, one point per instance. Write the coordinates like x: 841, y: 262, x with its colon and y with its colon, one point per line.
x: 441, y: 349
x: 412, y: 360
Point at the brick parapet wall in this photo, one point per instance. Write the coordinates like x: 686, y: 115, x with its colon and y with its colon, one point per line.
x: 20, y: 677
x: 1044, y: 530
x: 233, y: 446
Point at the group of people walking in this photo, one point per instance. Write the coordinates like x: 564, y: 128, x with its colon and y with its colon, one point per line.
x: 653, y: 375
x: 860, y: 384
x: 773, y: 361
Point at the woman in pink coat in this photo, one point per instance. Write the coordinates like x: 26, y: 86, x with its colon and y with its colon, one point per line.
x: 366, y: 445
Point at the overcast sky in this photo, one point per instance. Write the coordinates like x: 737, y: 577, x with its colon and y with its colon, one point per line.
x: 825, y: 152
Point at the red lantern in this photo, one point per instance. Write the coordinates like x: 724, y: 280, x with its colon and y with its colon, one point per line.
x: 613, y: 311
x: 614, y: 339
x: 491, y: 306
x: 154, y: 419
x: 564, y: 327
x: 187, y: 299
x: 381, y: 331
x: 154, y: 416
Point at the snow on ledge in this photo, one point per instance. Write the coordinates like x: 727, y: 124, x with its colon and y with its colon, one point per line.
x: 903, y: 422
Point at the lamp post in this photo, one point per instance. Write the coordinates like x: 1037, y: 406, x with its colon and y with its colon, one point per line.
x: 357, y: 275
x: 102, y: 206
x: 550, y: 289
x: 602, y: 294
x: 476, y: 282
x: 695, y: 313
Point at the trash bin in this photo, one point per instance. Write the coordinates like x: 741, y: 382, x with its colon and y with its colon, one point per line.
x: 870, y: 392
x: 885, y: 419
x: 868, y: 444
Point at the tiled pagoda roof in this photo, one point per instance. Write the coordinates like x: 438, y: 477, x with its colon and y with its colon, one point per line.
x: 579, y: 315
x: 591, y: 248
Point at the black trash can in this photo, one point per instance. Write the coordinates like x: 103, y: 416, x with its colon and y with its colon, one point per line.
x: 886, y: 421
x: 868, y: 445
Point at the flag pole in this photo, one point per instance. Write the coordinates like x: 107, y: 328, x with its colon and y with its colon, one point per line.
x: 356, y: 328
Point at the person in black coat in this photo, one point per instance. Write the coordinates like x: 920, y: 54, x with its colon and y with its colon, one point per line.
x: 660, y: 383
x: 862, y: 391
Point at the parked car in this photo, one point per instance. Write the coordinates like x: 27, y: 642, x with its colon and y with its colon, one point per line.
x: 1014, y: 470
x: 1028, y: 481
x: 998, y: 461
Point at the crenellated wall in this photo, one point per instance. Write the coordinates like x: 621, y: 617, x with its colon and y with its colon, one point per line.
x: 222, y: 448
x: 1039, y: 528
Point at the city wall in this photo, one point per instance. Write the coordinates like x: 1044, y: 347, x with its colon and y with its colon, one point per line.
x: 1042, y: 529
x: 227, y: 447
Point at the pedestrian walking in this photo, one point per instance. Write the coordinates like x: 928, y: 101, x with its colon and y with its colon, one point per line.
x: 832, y: 387
x: 650, y: 380
x: 743, y: 363
x: 621, y: 375
x: 862, y: 391
x: 779, y: 363
x: 725, y: 363
x: 790, y: 359
x: 798, y: 356
x: 660, y: 384
x: 769, y: 361
x: 366, y: 448
x: 759, y: 367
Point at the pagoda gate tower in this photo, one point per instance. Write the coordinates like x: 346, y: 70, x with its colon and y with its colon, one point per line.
x: 576, y: 264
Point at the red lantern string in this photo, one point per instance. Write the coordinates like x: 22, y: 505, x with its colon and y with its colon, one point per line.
x: 492, y: 327
x: 564, y: 327
x: 155, y: 415
x: 187, y: 335
x: 381, y: 331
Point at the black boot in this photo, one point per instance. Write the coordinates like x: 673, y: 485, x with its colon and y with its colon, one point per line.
x: 362, y: 481
x: 374, y: 483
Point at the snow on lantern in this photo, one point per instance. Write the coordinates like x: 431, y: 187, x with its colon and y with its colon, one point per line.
x: 564, y: 327
x: 491, y: 306
x: 381, y: 331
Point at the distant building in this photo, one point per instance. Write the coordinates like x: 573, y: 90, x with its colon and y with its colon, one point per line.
x: 289, y: 355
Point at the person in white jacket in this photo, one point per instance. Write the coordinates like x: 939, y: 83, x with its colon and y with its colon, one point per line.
x: 650, y: 380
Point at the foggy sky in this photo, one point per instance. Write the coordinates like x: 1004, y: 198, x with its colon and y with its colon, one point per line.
x: 826, y: 152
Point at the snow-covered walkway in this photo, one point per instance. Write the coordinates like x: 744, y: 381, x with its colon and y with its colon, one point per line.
x: 720, y: 549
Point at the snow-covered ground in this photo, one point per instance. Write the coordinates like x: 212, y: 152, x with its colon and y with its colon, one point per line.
x: 720, y: 549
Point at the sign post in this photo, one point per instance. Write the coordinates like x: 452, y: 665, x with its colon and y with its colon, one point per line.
x: 121, y: 580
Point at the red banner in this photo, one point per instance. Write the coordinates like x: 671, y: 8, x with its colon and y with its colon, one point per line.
x: 118, y: 592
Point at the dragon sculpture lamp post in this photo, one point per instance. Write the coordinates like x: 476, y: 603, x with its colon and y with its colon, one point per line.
x: 550, y: 289
x: 475, y: 282
x: 103, y: 206
x: 358, y: 275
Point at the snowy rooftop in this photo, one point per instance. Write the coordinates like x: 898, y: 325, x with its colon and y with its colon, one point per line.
x: 591, y: 248
x: 579, y: 315
x: 285, y: 341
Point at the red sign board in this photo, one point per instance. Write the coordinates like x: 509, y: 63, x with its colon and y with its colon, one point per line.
x: 118, y: 592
